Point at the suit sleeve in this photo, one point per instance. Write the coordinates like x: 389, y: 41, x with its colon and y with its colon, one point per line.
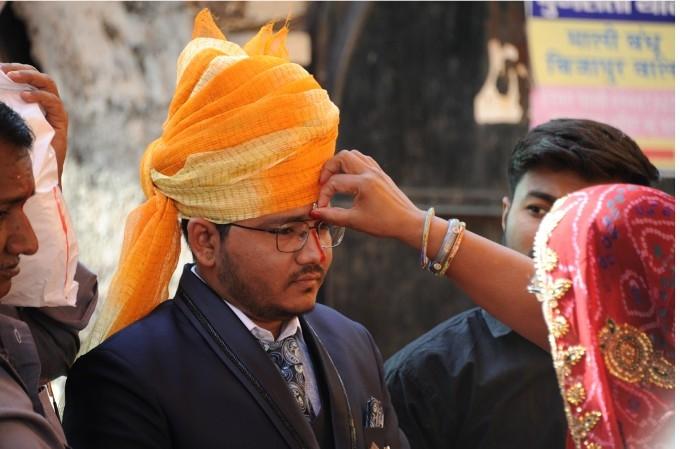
x: 21, y: 427
x: 395, y: 436
x: 109, y: 407
x: 55, y: 329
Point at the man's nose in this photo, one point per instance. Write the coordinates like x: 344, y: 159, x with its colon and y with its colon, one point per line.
x: 312, y: 252
x: 21, y: 239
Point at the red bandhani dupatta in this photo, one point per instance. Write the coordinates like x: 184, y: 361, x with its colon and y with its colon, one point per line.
x: 605, y: 268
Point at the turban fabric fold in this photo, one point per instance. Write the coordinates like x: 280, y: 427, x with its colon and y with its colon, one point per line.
x: 247, y: 134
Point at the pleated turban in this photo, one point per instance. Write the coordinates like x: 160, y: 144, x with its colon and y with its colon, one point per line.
x: 246, y: 135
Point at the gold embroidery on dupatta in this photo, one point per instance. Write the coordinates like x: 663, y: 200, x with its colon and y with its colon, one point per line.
x: 629, y: 355
x: 549, y: 291
x: 585, y: 424
x: 591, y: 445
x: 576, y: 394
x: 559, y: 326
x: 566, y: 358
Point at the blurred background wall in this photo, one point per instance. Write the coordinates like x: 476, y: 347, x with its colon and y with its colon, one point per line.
x: 438, y: 93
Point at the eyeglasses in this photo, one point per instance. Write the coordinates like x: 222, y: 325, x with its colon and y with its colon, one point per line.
x: 291, y: 237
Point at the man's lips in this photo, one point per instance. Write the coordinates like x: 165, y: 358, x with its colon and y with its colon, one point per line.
x: 9, y: 271
x: 308, y: 277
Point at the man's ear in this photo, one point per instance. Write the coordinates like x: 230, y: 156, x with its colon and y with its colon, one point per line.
x: 204, y: 241
x: 506, y: 208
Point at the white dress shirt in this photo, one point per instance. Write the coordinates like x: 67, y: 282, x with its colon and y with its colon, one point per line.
x: 291, y: 327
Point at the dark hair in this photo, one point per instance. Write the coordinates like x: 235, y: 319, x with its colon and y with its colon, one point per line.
x: 222, y: 229
x: 13, y: 128
x: 593, y: 150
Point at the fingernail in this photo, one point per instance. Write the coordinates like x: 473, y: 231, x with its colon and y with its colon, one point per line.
x: 26, y: 95
x: 12, y: 74
x: 314, y: 213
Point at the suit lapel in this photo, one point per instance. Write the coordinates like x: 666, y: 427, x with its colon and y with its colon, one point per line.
x: 240, y: 352
x: 344, y: 432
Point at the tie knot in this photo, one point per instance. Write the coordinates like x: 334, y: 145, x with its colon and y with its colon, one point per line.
x: 286, y: 351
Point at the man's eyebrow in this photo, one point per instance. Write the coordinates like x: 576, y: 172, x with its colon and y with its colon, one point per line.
x: 541, y: 196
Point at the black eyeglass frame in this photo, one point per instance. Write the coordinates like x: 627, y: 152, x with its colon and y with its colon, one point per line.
x: 278, y: 231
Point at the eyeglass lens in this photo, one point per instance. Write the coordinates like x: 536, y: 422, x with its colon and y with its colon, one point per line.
x: 292, y: 236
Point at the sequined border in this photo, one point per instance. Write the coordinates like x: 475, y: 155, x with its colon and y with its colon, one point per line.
x: 549, y: 291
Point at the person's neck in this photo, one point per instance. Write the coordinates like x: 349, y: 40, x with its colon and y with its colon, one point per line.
x: 274, y: 327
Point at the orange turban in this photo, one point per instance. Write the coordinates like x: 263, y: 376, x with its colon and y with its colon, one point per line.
x: 246, y: 135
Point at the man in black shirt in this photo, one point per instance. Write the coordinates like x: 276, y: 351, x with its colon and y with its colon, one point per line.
x: 472, y: 382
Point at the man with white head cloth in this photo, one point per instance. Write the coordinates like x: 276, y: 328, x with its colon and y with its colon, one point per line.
x: 37, y: 343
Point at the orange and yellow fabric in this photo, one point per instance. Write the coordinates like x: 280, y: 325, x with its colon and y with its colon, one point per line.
x: 246, y: 135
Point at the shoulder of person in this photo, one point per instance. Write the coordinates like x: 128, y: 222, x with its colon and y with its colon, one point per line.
x: 152, y: 333
x: 448, y: 342
x: 21, y: 427
x: 326, y: 318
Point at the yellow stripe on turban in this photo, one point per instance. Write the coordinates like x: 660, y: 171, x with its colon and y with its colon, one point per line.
x: 246, y: 135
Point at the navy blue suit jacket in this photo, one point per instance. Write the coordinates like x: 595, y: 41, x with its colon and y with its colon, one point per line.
x: 191, y: 376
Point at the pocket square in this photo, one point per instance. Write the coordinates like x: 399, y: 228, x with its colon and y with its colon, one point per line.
x: 374, y: 417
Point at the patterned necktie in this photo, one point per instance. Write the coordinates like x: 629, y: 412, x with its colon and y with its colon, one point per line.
x: 287, y: 357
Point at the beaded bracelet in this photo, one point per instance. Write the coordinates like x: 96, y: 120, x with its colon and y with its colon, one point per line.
x: 436, y: 264
x: 424, y: 261
x: 454, y: 248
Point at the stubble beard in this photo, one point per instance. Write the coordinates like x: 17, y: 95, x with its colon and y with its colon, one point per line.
x: 255, y: 301
x: 504, y: 242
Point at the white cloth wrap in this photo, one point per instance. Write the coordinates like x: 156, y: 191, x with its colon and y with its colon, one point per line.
x: 46, y: 278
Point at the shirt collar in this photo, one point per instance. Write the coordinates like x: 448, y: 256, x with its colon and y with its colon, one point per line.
x: 496, y: 328
x: 289, y: 328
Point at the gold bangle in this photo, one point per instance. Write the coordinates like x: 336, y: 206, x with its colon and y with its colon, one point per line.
x: 426, y: 235
x: 454, y: 249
